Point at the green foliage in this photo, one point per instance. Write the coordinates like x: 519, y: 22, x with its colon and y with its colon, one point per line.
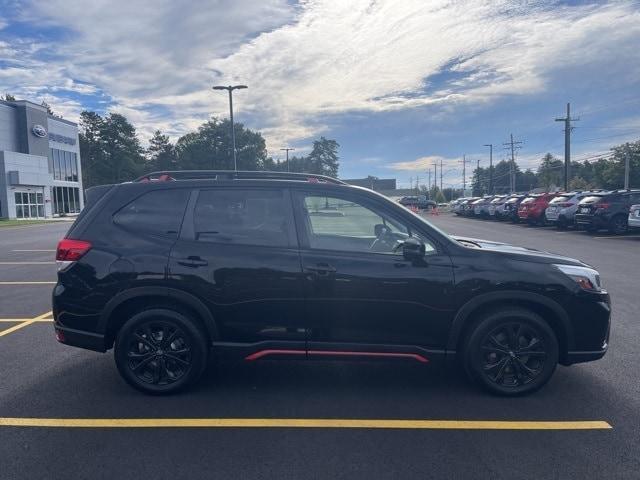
x: 8, y: 97
x: 322, y: 160
x: 550, y: 172
x: 110, y: 151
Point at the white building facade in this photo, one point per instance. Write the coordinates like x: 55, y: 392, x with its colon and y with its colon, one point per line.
x: 40, y: 171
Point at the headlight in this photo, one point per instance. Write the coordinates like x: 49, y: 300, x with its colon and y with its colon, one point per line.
x: 587, y: 278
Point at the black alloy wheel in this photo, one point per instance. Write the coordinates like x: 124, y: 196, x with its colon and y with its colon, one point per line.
x: 512, y: 352
x: 160, y: 351
x: 618, y: 225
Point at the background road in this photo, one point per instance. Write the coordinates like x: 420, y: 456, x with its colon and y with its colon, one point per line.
x: 41, y: 378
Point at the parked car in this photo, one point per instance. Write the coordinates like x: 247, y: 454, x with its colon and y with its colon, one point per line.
x: 419, y: 201
x: 496, y: 202
x: 466, y: 207
x: 176, y: 268
x: 510, y: 208
x: 608, y: 210
x: 481, y: 207
x: 456, y: 205
x: 562, y: 209
x: 532, y: 208
x: 634, y: 216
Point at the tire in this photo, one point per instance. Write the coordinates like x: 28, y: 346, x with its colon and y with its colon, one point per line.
x: 492, y: 358
x: 561, y: 224
x: 618, y: 225
x: 141, y: 351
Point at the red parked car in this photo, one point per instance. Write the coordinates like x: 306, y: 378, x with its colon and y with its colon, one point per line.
x: 532, y: 208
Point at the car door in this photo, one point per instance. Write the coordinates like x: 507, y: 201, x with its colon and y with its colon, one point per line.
x: 361, y: 290
x: 238, y: 253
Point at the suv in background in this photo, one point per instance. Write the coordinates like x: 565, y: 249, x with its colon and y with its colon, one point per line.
x: 495, y: 204
x: 562, y: 209
x: 608, y: 210
x: 532, y: 208
x: 418, y: 201
x: 634, y: 216
x: 510, y: 208
x: 181, y: 266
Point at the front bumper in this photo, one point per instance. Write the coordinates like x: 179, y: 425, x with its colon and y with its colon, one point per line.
x: 634, y: 222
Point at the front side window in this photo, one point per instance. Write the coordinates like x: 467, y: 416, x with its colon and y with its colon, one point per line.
x: 243, y: 217
x: 341, y: 224
x: 157, y: 212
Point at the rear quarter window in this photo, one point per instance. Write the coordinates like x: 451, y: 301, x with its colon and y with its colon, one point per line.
x: 158, y: 212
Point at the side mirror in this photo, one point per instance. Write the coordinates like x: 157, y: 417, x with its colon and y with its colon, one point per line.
x: 413, y: 249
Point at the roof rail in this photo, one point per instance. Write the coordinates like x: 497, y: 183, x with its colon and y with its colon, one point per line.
x: 170, y: 175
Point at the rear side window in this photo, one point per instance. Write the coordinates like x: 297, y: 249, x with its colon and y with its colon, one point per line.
x: 243, y: 217
x: 157, y: 212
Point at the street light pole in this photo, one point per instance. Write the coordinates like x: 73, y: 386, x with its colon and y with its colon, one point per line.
x: 287, y: 150
x: 490, y: 145
x: 230, y: 89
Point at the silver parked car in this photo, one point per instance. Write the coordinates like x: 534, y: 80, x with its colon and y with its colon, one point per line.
x: 495, y: 204
x: 562, y: 209
x: 634, y: 216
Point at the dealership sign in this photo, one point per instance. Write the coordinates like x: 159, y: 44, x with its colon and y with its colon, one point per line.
x: 39, y: 131
x: 62, y: 139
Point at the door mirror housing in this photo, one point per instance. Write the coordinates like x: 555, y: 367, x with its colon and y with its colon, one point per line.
x: 413, y: 249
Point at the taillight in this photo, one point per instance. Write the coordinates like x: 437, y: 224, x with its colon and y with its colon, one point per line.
x: 71, y: 250
x: 603, y: 206
x: 566, y: 204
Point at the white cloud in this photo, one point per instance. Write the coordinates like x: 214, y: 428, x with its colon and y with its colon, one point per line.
x: 321, y: 58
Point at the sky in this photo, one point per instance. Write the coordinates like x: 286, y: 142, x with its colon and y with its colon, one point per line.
x: 400, y: 85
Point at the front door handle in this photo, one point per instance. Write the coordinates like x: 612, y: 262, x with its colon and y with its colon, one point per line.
x: 321, y: 269
x: 193, y: 261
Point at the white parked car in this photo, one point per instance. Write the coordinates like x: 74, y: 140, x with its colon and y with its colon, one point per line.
x: 634, y: 216
x: 562, y: 209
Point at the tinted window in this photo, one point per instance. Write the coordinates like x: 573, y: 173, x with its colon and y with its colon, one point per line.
x: 158, y: 212
x: 341, y: 224
x: 245, y: 217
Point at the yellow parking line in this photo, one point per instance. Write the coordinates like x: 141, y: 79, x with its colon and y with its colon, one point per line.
x: 299, y: 423
x: 26, y: 323
x: 14, y: 320
x: 27, y: 283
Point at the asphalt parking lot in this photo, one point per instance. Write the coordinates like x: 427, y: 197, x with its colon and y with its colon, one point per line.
x: 92, y: 409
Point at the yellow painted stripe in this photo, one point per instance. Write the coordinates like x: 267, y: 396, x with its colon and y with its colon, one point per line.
x: 298, y: 423
x: 14, y: 320
x: 26, y: 323
x: 27, y: 283
x: 27, y: 263
x: 16, y: 327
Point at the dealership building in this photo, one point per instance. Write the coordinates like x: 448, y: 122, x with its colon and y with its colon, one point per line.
x: 40, y: 173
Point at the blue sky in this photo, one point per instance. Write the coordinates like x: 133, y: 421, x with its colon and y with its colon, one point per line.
x: 400, y: 85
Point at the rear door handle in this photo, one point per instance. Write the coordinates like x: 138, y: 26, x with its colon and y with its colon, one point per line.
x: 193, y: 261
x: 322, y: 269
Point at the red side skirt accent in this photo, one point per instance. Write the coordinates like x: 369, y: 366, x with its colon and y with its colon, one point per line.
x: 264, y: 353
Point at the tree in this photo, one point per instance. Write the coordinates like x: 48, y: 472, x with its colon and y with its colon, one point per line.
x: 49, y: 110
x: 109, y: 149
x: 550, y: 172
x: 323, y: 158
x: 161, y: 153
x: 8, y: 97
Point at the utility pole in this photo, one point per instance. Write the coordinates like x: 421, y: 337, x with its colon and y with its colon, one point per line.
x: 287, y: 149
x: 231, y: 88
x: 441, y: 177
x: 512, y: 166
x: 478, y: 173
x: 567, y: 144
x: 626, y: 167
x: 464, y: 173
x: 490, y: 145
x: 429, y: 184
x: 417, y: 185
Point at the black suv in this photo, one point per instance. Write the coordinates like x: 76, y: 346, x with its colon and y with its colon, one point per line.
x: 606, y: 210
x: 174, y: 268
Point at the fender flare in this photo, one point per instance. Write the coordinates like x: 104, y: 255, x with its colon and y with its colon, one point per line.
x: 472, y: 305
x: 181, y: 296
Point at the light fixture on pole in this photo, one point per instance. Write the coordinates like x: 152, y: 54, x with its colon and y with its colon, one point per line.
x: 230, y: 89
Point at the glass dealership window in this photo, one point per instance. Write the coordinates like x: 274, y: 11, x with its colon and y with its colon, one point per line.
x: 66, y: 200
x: 29, y: 205
x: 65, y: 165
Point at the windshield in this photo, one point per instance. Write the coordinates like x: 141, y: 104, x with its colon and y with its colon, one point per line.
x: 591, y: 199
x: 560, y: 199
x: 529, y: 200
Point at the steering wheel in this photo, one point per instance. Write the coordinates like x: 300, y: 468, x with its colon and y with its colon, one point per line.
x: 384, y: 240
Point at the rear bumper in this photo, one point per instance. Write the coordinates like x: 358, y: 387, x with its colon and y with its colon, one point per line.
x: 581, y: 357
x: 79, y: 338
x: 591, y: 220
x: 634, y: 222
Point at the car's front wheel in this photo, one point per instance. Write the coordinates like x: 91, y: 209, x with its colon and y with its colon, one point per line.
x: 160, y: 351
x: 511, y: 351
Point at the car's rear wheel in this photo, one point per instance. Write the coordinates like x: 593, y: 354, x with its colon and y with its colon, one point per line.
x: 511, y: 352
x: 160, y: 351
x: 618, y: 225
